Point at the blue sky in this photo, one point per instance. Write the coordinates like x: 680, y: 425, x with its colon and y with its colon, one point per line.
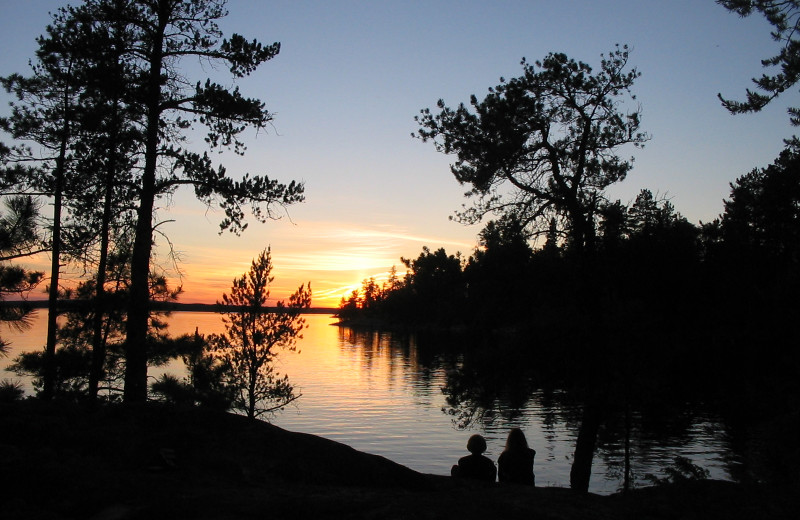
x: 352, y: 75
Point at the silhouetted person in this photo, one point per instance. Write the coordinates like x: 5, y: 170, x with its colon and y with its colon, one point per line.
x: 475, y: 466
x: 515, y: 464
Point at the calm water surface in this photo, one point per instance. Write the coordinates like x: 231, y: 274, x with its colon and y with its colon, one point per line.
x: 372, y: 392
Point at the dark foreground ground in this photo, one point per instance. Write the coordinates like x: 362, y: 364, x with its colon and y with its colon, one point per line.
x: 150, y: 462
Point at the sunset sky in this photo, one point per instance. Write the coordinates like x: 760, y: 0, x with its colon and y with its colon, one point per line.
x: 351, y: 76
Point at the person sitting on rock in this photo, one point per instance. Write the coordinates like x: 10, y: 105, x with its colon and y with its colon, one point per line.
x: 516, y: 461
x: 475, y: 466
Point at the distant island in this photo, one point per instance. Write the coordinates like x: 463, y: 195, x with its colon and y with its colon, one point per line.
x: 72, y: 305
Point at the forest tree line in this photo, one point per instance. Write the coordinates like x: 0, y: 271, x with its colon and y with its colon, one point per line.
x: 645, y: 252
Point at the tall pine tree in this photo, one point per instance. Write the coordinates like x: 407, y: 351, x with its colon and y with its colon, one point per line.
x: 168, y: 32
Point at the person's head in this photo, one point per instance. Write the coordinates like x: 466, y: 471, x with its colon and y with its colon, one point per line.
x: 476, y: 444
x: 516, y: 440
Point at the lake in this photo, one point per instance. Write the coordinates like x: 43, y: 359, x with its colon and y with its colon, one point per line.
x: 380, y: 393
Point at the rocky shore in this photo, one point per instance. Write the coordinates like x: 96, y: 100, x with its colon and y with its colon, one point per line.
x: 60, y: 461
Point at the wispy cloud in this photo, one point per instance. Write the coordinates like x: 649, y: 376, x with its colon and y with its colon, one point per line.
x: 383, y: 234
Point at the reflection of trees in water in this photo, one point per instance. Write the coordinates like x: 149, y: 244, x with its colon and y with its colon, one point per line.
x: 406, y: 356
x: 481, y: 385
x: 494, y: 393
x: 483, y: 388
x: 694, y: 428
x: 493, y: 383
x: 493, y: 387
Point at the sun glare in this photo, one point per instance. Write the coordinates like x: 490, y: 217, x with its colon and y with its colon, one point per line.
x: 331, y: 277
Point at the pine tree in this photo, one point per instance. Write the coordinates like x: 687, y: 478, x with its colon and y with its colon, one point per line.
x: 167, y: 32
x: 544, y: 144
x: 18, y: 238
x: 255, y: 333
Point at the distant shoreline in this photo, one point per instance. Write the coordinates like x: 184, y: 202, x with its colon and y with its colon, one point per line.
x: 67, y: 305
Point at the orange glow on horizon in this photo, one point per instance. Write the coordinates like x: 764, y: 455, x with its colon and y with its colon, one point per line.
x: 334, y: 258
x: 327, y: 291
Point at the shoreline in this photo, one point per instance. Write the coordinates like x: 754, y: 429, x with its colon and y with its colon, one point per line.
x: 156, y: 461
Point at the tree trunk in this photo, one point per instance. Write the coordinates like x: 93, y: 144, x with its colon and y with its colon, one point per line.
x: 251, y: 388
x: 139, y: 305
x: 581, y: 470
x: 98, y: 343
x: 627, y: 477
x: 48, y: 387
x: 97, y: 371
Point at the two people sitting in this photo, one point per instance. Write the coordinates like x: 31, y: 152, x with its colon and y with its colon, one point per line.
x: 514, y: 465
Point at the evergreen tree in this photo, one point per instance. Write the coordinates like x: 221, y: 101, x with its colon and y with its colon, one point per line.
x: 18, y: 238
x: 544, y: 144
x: 72, y: 370
x: 253, y: 336
x: 784, y: 16
x: 166, y: 33
x: 762, y: 216
x: 73, y: 107
x: 498, y: 275
x: 436, y: 287
x: 119, y: 62
x: 44, y: 114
